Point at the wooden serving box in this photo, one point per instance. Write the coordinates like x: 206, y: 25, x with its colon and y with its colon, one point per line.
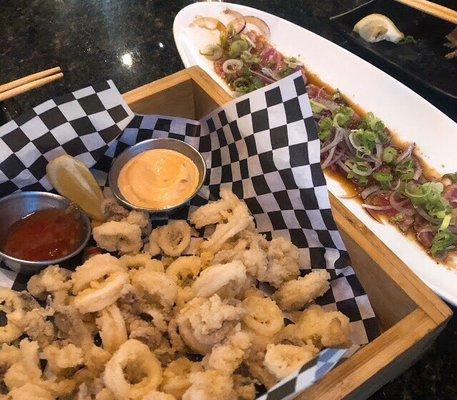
x: 410, y: 314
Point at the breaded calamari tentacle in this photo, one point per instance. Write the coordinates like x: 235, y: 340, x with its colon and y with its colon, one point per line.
x: 294, y: 295
x: 283, y: 359
x: 118, y: 236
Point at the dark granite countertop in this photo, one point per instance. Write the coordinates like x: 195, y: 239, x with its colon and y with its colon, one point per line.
x: 96, y: 39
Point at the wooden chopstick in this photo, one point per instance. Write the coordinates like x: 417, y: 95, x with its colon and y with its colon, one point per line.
x: 29, y: 82
x: 431, y: 8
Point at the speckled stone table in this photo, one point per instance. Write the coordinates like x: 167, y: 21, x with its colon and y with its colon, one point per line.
x: 131, y: 42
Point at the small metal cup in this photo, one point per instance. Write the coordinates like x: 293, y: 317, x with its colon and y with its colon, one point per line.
x: 17, y: 206
x: 161, y: 143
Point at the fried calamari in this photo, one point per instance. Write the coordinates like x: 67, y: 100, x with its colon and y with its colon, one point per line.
x: 131, y: 327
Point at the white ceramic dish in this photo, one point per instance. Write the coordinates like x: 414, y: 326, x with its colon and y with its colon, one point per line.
x: 403, y: 111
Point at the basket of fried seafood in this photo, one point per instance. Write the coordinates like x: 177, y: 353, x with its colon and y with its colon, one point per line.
x: 244, y: 291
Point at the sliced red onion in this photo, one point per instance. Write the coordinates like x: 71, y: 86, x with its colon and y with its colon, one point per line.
x: 376, y: 208
x: 248, y: 39
x: 336, y: 158
x: 209, y: 23
x: 262, y: 76
x: 270, y: 73
x: 397, y: 185
x: 368, y: 191
x: 399, y: 205
x: 233, y: 13
x: 329, y: 158
x: 406, y: 153
x: 349, y: 144
x: 330, y: 104
x: 232, y: 65
x: 212, y: 52
x: 418, y: 172
x: 378, y: 151
x: 450, y: 194
x: 343, y: 166
x: 236, y: 26
x: 259, y: 23
x: 424, y: 215
x: 337, y: 139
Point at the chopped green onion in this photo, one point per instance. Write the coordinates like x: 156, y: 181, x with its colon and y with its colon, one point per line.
x: 443, y: 241
x: 398, y: 218
x: 384, y: 178
x: 446, y: 221
x: 342, y: 117
x: 406, y: 170
x: 325, y: 123
x: 363, y: 141
x: 317, y: 107
x: 237, y: 47
x: 249, y: 58
x: 389, y: 155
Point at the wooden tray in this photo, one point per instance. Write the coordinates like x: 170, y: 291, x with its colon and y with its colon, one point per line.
x: 410, y: 314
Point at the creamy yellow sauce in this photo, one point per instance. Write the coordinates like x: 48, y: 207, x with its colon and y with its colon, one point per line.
x: 158, y: 178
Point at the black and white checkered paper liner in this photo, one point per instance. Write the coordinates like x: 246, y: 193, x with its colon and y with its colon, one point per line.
x: 81, y: 123
x: 264, y: 146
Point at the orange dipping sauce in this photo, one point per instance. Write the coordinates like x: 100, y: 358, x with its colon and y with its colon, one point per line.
x: 45, y: 235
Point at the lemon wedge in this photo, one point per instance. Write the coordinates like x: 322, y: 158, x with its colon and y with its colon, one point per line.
x: 377, y: 27
x: 72, y: 179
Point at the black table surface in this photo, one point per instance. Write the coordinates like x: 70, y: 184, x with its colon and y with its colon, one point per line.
x: 94, y: 40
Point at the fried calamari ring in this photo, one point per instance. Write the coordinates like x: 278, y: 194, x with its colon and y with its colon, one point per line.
x: 184, y: 269
x: 156, y: 286
x: 98, y: 283
x: 112, y: 328
x: 132, y: 361
x: 283, y: 359
x: 139, y: 261
x: 176, y: 376
x: 118, y: 236
x: 173, y: 238
x: 294, y: 295
x: 12, y: 304
x: 152, y: 247
x: 263, y: 316
x: 225, y: 279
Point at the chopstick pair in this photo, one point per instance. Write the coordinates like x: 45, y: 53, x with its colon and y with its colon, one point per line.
x: 29, y: 82
x: 431, y: 8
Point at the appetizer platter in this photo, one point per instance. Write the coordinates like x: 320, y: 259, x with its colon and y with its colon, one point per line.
x: 393, y: 175
x: 149, y: 314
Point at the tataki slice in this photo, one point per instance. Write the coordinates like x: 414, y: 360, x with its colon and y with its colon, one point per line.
x: 72, y: 179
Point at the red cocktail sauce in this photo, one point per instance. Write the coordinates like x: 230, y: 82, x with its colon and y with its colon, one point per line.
x: 45, y: 235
